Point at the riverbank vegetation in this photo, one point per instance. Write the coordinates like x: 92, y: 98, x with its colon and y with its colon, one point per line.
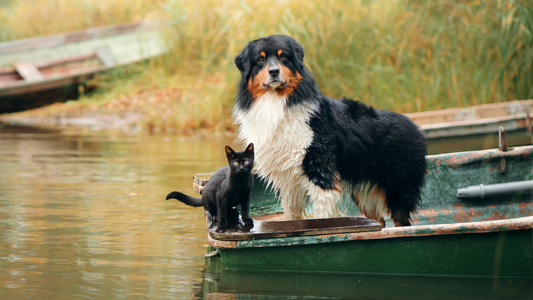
x: 400, y: 55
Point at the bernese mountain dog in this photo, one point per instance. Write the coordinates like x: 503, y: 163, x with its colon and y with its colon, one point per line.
x: 311, y: 148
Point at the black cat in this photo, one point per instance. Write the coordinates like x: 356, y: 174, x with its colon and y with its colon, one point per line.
x: 228, y: 187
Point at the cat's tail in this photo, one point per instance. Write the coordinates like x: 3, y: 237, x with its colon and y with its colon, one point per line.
x: 186, y: 199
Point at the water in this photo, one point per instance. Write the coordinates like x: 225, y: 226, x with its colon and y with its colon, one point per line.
x: 84, y: 217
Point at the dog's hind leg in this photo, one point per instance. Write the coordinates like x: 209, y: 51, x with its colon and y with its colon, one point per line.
x: 324, y: 200
x: 371, y: 201
x: 401, y: 205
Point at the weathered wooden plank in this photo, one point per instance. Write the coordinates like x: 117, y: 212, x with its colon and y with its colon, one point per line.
x: 277, y: 229
x: 28, y: 71
x: 105, y: 56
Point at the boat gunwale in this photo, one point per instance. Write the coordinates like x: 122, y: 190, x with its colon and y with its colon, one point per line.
x: 415, y: 116
x: 477, y: 122
x: 53, y: 82
x: 479, y: 227
x: 459, y: 159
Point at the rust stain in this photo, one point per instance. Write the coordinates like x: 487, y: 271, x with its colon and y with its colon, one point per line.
x: 434, y: 212
x: 497, y: 216
x: 470, y: 215
x: 525, y: 208
x: 492, y: 169
x: 457, y: 160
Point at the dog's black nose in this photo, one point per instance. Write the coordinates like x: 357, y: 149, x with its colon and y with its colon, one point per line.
x: 273, y: 71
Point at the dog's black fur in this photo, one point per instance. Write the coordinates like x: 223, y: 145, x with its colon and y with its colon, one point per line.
x: 350, y: 140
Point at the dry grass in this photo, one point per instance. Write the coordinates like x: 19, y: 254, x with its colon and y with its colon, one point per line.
x: 29, y: 18
x: 400, y: 55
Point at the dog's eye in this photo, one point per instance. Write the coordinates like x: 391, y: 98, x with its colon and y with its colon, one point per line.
x: 283, y: 57
x: 260, y: 60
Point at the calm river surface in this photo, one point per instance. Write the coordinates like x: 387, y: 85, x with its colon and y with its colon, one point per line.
x: 84, y: 217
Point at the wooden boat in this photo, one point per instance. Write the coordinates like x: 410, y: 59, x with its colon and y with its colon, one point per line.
x: 450, y: 236
x: 472, y: 128
x: 47, y: 62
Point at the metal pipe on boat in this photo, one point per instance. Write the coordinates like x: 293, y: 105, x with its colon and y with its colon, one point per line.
x: 481, y: 191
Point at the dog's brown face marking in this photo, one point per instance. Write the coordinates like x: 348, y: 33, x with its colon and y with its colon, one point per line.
x: 257, y: 82
x: 280, y: 52
x: 291, y: 82
x: 262, y: 54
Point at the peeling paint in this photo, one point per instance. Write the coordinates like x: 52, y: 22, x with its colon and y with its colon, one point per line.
x: 423, y: 231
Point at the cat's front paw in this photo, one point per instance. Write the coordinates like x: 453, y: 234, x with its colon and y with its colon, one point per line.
x: 248, y: 222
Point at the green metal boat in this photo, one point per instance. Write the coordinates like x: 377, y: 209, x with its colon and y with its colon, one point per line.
x: 450, y: 236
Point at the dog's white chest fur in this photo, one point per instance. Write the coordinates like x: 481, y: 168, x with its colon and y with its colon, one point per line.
x: 281, y: 137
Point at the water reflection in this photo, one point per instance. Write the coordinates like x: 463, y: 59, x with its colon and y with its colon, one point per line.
x: 223, y: 284
x: 85, y: 217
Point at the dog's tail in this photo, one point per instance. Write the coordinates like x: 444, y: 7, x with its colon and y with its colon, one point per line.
x: 186, y: 199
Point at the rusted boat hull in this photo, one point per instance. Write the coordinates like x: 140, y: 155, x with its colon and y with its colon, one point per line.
x: 466, y: 252
x: 450, y: 236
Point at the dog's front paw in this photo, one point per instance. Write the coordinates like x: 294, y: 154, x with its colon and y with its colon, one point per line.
x: 248, y: 222
x: 222, y: 225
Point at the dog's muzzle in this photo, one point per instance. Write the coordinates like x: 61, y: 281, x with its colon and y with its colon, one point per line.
x: 275, y: 80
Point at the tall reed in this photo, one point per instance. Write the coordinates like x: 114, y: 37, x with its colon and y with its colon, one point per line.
x: 400, y: 55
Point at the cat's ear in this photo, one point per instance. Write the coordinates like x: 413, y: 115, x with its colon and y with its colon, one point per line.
x: 230, y: 154
x: 250, y: 150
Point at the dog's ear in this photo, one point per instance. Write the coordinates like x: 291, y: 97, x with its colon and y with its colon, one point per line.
x: 242, y: 61
x: 298, y: 54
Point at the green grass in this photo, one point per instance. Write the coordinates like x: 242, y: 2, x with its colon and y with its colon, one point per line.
x: 401, y: 55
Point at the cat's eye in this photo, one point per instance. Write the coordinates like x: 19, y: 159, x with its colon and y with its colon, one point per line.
x: 246, y: 162
x: 235, y: 163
